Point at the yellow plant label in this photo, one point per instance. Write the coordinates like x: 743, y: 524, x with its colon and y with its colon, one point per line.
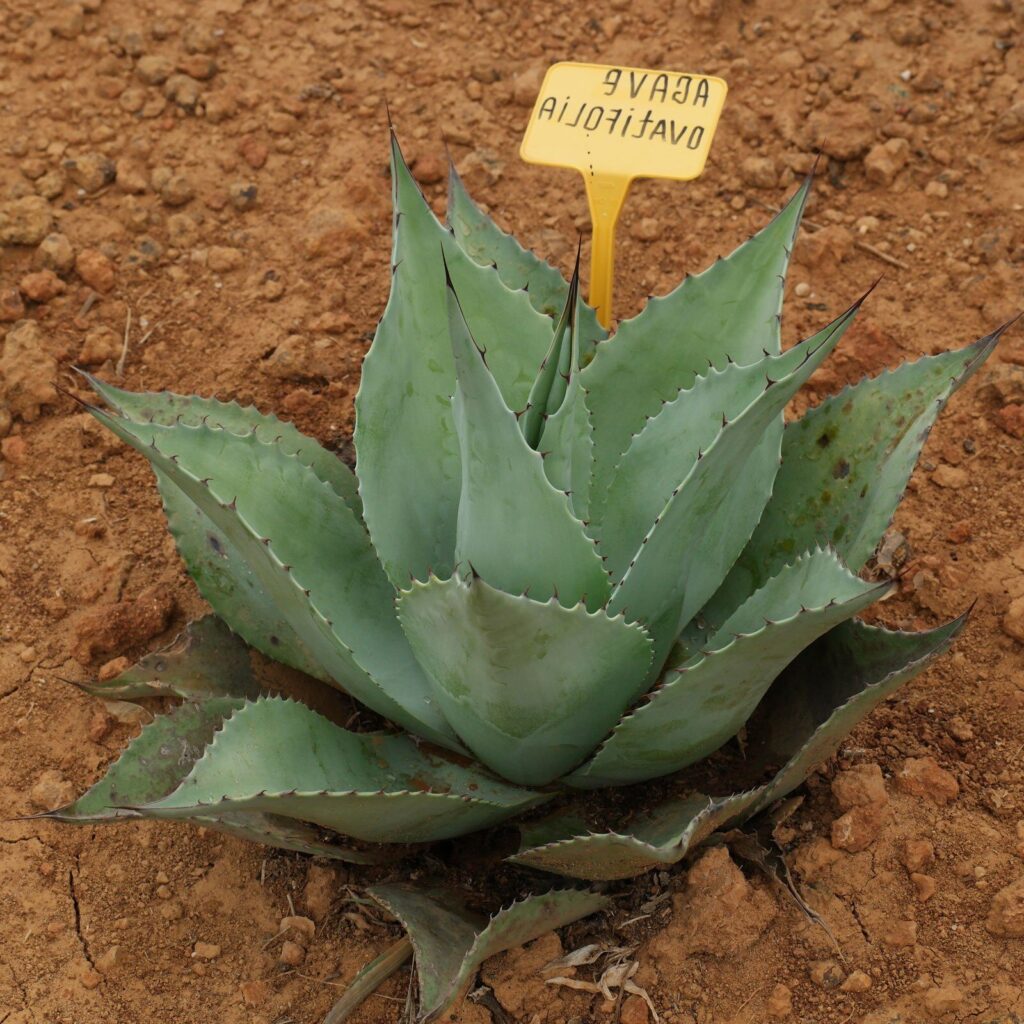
x: 628, y: 122
x: 614, y: 124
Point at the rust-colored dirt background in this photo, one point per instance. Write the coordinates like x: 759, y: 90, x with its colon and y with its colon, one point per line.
x: 218, y: 170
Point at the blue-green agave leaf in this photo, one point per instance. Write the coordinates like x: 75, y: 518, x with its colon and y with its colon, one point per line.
x: 837, y: 681
x: 277, y: 756
x: 808, y: 712
x: 565, y: 443
x: 206, y: 660
x: 514, y: 529
x: 729, y: 312
x: 298, y: 836
x: 710, y: 516
x: 549, y: 387
x: 845, y: 466
x: 670, y: 444
x: 451, y: 942
x: 157, y: 760
x: 658, y: 838
x: 408, y: 453
x: 705, y: 699
x: 219, y: 570
x: 333, y: 595
x: 168, y: 408
x: 529, y: 687
x: 485, y: 243
x: 152, y: 765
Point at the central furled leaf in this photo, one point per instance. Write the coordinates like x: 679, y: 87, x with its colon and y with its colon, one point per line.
x: 529, y: 687
x: 514, y: 528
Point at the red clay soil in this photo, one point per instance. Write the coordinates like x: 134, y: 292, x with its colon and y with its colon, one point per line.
x: 217, y: 174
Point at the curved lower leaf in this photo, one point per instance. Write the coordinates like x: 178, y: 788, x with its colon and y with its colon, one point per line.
x: 658, y: 838
x: 334, y: 596
x: 206, y: 660
x: 279, y: 757
x: 298, y: 836
x: 152, y: 765
x: 222, y: 575
x: 802, y: 720
x: 451, y: 942
x: 529, y: 687
x: 214, y: 563
x: 835, y: 683
x: 705, y: 700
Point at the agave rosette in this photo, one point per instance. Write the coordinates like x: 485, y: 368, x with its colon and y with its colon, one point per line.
x: 565, y: 561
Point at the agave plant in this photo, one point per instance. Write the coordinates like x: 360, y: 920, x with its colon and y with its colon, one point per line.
x: 565, y: 561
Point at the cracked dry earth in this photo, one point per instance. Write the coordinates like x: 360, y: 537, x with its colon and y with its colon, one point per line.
x: 208, y: 180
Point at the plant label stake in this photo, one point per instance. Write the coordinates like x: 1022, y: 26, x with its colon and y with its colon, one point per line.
x: 614, y: 124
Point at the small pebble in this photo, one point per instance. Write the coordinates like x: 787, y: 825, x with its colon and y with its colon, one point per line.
x: 12, y: 306
x: 292, y: 953
x: 183, y: 90
x: 917, y: 853
x: 827, y: 974
x: 95, y: 270
x: 41, y: 286
x: 100, y: 725
x: 101, y: 344
x: 922, y: 777
x: 205, y: 951
x: 51, y: 790
x: 924, y: 886
x: 110, y: 960
x: 646, y: 230
x: 858, y: 981
x: 90, y: 978
x: 91, y: 171
x: 940, y: 1001
x: 304, y: 928
x: 253, y: 152
x: 802, y: 290
x: 25, y: 221
x: 176, y: 190
x: 221, y: 259
x: 951, y: 477
x: 56, y: 253
x: 780, y: 1002
x: 242, y: 194
x: 154, y: 69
